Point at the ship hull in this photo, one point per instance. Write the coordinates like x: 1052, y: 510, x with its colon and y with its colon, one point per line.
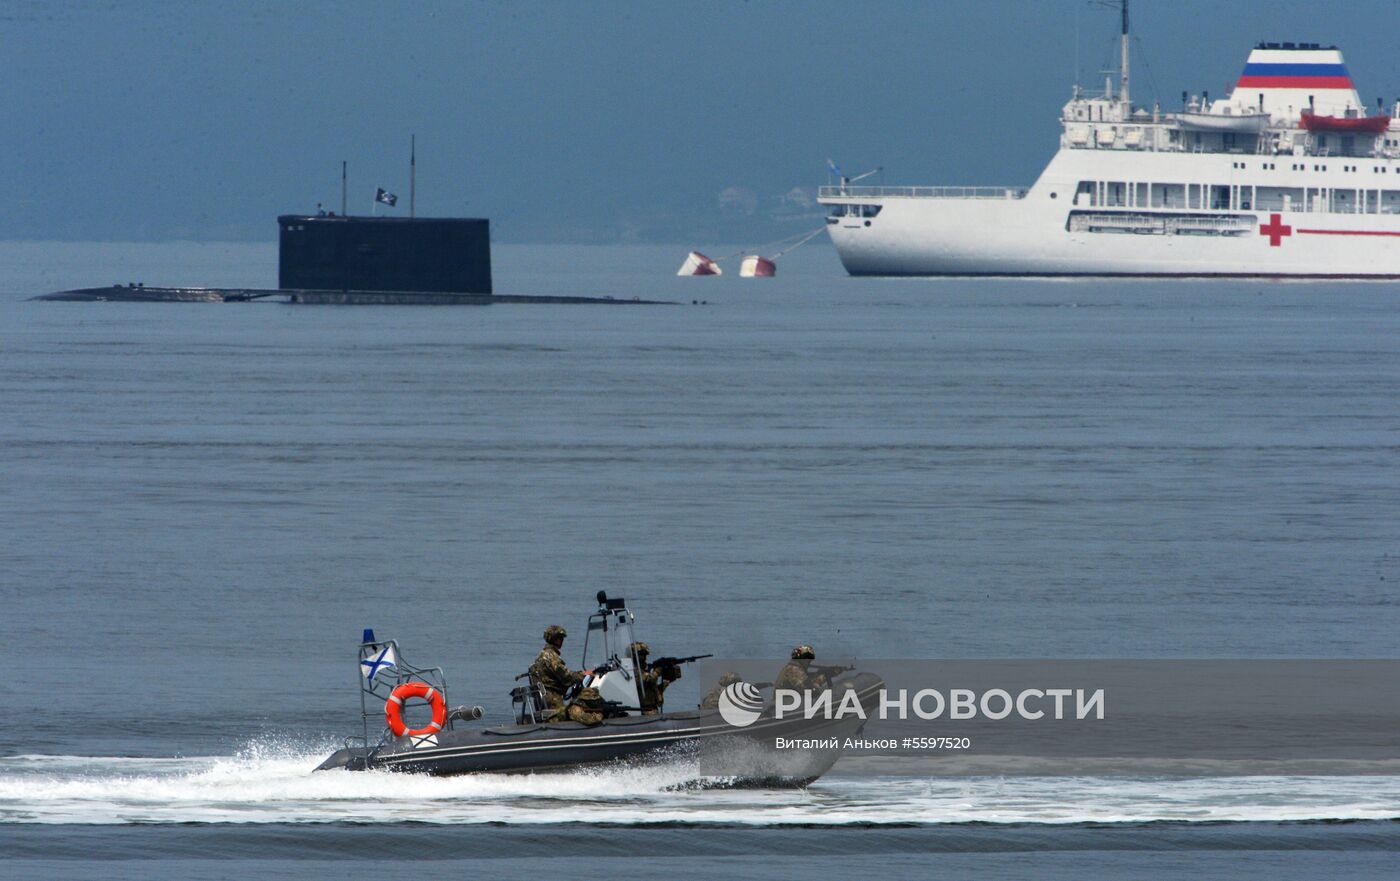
x: 1053, y: 229
x: 945, y: 246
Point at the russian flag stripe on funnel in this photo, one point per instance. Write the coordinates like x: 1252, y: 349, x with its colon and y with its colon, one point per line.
x: 1256, y: 69
x: 1295, y: 76
x: 1294, y: 82
x: 1284, y: 80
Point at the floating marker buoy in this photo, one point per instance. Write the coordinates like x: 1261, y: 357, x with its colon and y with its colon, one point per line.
x: 698, y: 264
x: 755, y: 266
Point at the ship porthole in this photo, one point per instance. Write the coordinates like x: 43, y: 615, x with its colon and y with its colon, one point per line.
x: 867, y: 223
x: 1054, y: 195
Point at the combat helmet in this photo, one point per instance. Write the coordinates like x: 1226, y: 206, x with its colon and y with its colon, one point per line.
x: 729, y: 677
x: 553, y: 632
x: 803, y: 653
x: 639, y: 648
x: 589, y: 696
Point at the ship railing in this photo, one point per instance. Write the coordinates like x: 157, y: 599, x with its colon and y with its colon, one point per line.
x: 922, y: 192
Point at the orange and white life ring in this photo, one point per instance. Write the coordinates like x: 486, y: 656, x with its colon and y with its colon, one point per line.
x: 393, y: 708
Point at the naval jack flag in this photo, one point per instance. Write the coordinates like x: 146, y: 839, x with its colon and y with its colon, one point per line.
x: 382, y: 195
x: 372, y: 665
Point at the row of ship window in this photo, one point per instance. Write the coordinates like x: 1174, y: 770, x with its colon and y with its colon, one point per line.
x: 1303, y: 166
x: 1224, y: 197
x: 854, y: 210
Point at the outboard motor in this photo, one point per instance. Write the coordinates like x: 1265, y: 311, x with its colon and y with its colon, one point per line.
x: 465, y: 713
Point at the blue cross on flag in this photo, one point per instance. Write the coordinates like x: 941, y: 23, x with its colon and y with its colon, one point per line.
x: 371, y: 666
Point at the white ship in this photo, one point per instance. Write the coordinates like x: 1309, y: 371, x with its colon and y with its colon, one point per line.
x: 1287, y: 176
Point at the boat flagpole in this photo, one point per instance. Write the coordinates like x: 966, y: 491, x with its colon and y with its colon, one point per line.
x: 343, y: 193
x: 412, y: 175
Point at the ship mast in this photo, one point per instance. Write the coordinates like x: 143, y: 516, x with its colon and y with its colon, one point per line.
x: 1123, y: 67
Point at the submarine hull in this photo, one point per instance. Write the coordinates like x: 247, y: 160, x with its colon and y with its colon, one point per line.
x: 141, y: 294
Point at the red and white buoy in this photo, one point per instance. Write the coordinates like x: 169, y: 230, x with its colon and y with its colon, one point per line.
x: 698, y: 264
x: 755, y: 266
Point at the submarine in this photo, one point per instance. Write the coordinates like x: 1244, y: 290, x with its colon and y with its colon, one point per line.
x: 349, y: 260
x: 721, y: 752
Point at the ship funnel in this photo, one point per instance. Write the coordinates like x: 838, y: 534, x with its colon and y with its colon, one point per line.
x: 1291, y: 75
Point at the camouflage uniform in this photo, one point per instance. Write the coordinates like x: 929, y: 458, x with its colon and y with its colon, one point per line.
x: 796, y: 677
x: 654, y: 680
x: 587, y: 707
x: 552, y: 675
x: 711, y: 699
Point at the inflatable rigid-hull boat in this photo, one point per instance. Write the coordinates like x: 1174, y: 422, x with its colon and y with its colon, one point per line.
x: 748, y: 754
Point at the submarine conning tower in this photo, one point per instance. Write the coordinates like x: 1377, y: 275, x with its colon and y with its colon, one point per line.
x: 450, y: 255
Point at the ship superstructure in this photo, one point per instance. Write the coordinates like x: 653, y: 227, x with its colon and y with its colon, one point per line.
x: 1288, y: 175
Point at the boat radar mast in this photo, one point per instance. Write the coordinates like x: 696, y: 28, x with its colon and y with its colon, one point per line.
x: 1123, y: 67
x: 1124, y: 97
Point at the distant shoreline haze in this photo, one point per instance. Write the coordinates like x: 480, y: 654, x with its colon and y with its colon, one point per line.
x: 598, y: 123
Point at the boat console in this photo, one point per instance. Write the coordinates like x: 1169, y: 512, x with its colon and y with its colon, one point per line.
x: 617, y: 671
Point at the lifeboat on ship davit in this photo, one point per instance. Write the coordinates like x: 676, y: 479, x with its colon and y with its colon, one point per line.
x: 1252, y: 123
x: 1369, y: 125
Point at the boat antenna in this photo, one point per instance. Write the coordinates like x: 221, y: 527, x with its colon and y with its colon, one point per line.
x: 412, y: 175
x: 342, y: 188
x: 1123, y: 70
x: 1076, y: 49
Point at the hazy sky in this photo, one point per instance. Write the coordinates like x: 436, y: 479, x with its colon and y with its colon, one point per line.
x: 579, y: 121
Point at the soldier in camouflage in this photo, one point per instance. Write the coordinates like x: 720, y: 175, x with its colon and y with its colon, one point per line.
x: 587, y: 707
x: 796, y: 677
x: 711, y: 699
x: 654, y: 680
x: 552, y: 675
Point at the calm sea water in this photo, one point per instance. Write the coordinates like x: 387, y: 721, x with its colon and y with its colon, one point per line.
x: 202, y: 505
